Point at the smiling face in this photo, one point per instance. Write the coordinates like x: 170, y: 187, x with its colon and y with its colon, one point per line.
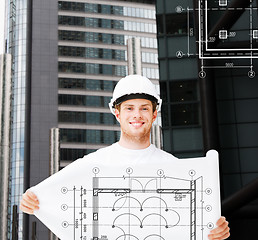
x: 136, y: 117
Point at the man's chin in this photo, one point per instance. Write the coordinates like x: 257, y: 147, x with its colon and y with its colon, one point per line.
x: 138, y: 134
x: 137, y: 130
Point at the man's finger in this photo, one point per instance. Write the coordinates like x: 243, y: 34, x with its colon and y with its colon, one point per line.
x: 222, y: 238
x: 31, y: 195
x: 221, y: 221
x: 26, y: 209
x: 29, y: 200
x: 220, y: 228
x: 29, y: 204
x: 220, y: 235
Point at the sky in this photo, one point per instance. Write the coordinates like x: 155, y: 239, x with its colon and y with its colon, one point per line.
x: 2, y: 12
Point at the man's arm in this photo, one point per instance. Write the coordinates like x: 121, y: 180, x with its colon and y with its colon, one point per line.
x: 29, y: 202
x: 221, y: 231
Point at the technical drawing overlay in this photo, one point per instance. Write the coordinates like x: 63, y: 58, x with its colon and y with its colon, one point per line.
x: 154, y: 206
x: 219, y: 42
x: 173, y: 200
x: 223, y: 36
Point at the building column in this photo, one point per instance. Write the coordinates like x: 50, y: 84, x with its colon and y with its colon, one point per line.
x: 5, y: 119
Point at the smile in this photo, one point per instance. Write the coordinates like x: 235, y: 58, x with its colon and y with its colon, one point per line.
x: 136, y: 124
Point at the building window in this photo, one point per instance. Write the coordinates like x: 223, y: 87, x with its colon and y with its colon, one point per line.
x: 87, y: 84
x: 160, y: 24
x: 93, y: 37
x: 182, y: 104
x: 87, y: 118
x: 185, y: 114
x: 106, y: 9
x: 91, y: 68
x: 89, y: 136
x: 148, y: 57
x: 67, y: 154
x: 184, y: 108
x: 176, y: 24
x: 104, y: 23
x: 91, y: 52
x: 150, y: 73
x: 79, y: 100
x: 182, y: 91
x: 165, y: 115
x: 163, y: 91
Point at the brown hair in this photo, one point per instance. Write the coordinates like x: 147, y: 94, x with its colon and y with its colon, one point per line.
x: 154, y: 106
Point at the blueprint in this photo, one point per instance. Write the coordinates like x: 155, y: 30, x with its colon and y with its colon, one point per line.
x: 226, y: 31
x: 177, y: 199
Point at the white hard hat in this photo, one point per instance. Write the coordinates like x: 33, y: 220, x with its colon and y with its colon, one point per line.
x: 134, y: 87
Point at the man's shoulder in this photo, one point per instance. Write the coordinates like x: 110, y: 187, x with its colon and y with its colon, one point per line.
x: 105, y: 150
x: 100, y: 152
x: 165, y: 154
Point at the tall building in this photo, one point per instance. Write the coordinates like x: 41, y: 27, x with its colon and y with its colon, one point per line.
x: 5, y: 120
x: 66, y: 58
x: 215, y: 108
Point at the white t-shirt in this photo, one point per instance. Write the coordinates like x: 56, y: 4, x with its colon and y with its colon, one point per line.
x: 116, y: 154
x: 113, y: 155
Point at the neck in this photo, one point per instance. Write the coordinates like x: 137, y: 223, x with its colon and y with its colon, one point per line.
x: 135, y: 142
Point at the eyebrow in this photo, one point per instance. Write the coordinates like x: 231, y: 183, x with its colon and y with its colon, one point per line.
x: 132, y: 105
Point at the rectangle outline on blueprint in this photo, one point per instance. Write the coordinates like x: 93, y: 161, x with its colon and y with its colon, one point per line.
x: 203, y: 42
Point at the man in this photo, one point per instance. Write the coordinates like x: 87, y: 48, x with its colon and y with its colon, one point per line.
x: 135, y: 104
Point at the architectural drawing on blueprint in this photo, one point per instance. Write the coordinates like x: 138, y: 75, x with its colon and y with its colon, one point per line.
x: 116, y: 200
x: 218, y: 39
x: 153, y: 207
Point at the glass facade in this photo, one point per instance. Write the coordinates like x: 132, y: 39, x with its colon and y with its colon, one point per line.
x: 107, y: 9
x: 80, y: 100
x: 107, y: 23
x: 92, y: 53
x: 179, y: 86
x: 91, y: 37
x: 183, y: 103
x: 86, y: 117
x: 73, y: 154
x: 16, y: 45
x: 89, y: 136
x: 86, y: 84
x: 149, y: 57
x: 150, y: 72
x: 92, y: 68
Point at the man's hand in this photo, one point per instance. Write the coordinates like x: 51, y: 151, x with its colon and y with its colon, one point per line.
x: 221, y: 231
x: 29, y: 202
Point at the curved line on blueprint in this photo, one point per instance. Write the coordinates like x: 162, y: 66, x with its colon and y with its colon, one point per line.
x: 157, y: 198
x: 126, y: 198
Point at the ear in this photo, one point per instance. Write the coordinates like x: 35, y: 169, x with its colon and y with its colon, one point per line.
x: 155, y: 114
x: 117, y: 114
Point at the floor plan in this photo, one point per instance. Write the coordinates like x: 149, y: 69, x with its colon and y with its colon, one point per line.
x: 177, y: 199
x: 218, y: 39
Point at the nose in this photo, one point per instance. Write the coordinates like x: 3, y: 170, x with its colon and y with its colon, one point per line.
x: 137, y: 114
